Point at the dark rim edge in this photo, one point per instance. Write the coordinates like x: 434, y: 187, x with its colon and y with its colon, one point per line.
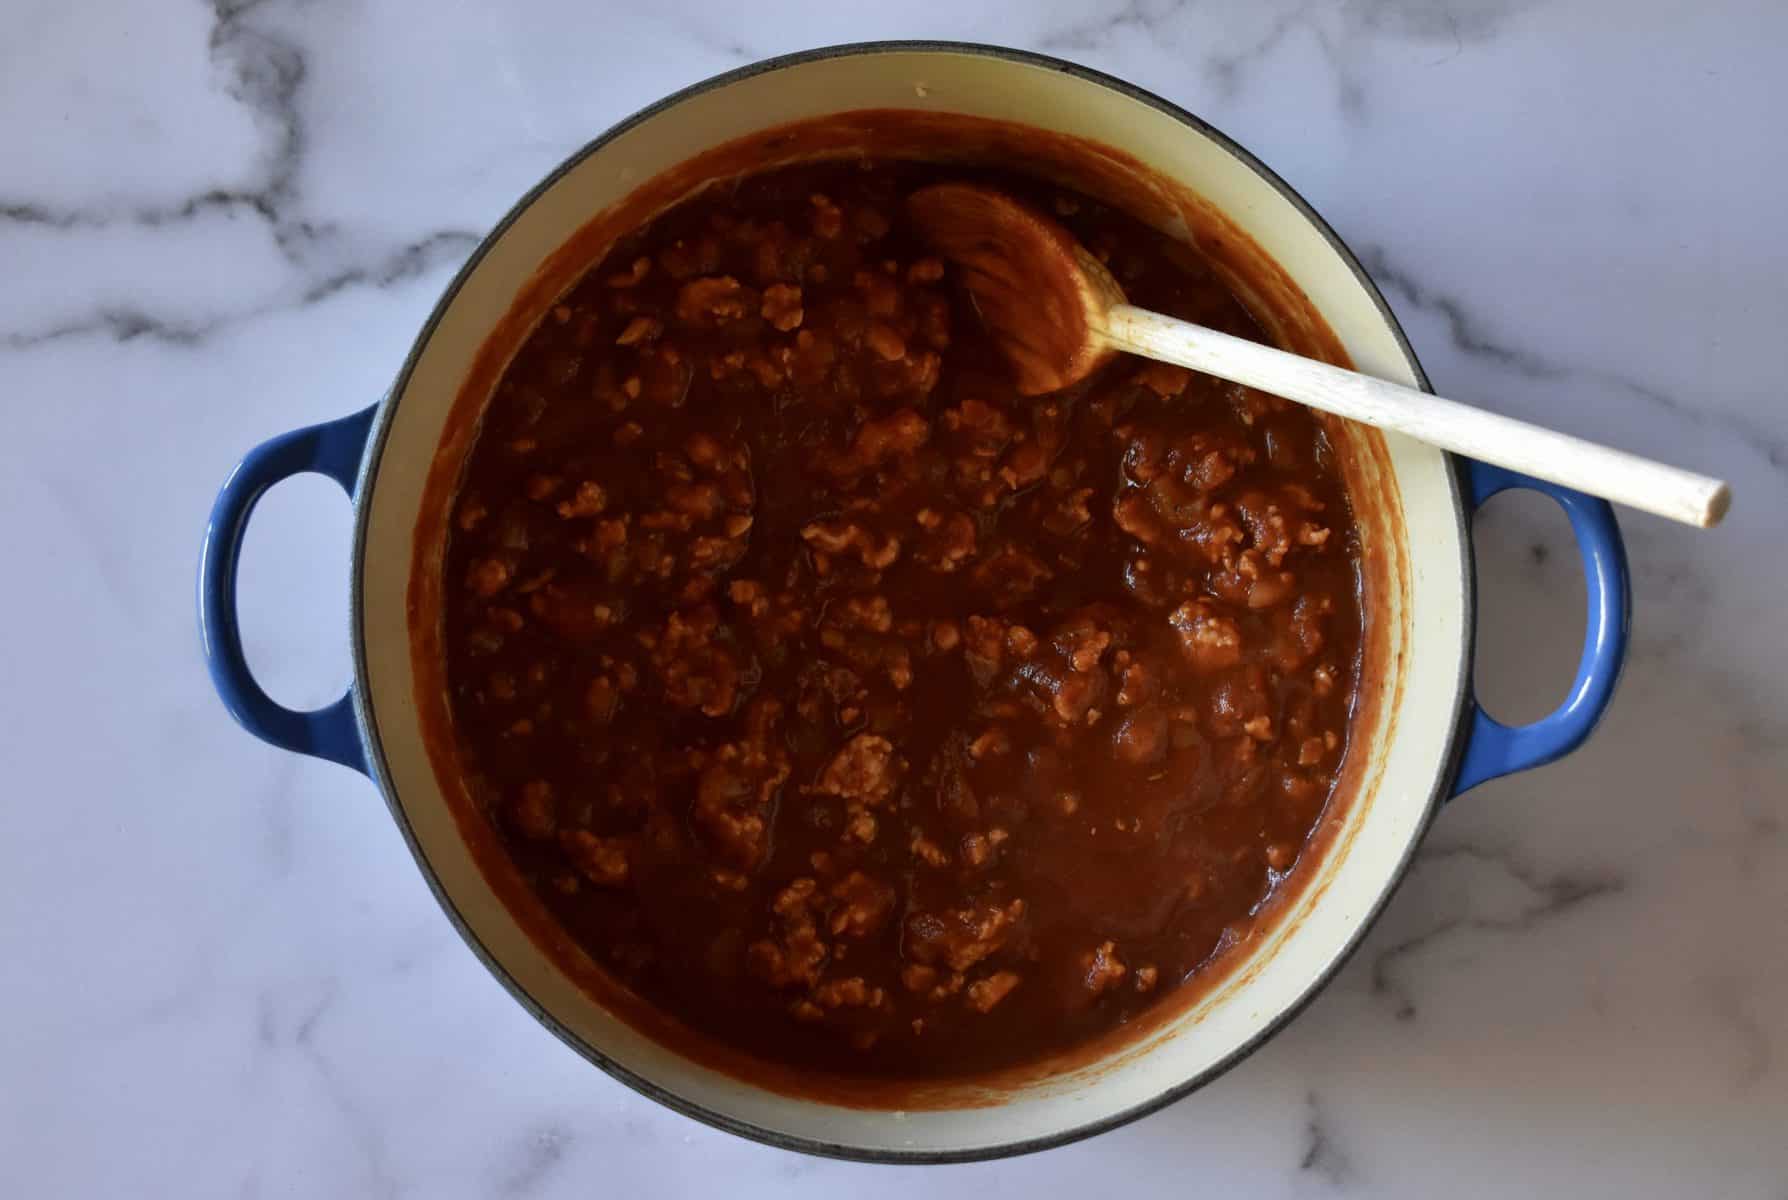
x: 368, y: 722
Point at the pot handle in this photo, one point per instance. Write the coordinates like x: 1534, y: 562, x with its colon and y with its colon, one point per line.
x: 333, y: 448
x: 1492, y: 748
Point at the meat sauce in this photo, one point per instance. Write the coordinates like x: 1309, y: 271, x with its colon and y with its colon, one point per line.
x: 854, y: 710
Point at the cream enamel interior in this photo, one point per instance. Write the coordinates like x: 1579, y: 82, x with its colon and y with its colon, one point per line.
x: 1406, y: 753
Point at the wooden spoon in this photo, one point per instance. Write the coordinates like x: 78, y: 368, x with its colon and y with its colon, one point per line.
x: 1059, y: 315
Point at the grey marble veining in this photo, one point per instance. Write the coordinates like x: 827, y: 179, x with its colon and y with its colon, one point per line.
x: 224, y: 977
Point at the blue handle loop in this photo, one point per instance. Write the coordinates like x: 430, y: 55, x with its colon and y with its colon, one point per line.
x: 1492, y: 748
x: 333, y: 449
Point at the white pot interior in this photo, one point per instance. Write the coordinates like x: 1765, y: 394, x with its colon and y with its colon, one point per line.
x: 1405, y: 743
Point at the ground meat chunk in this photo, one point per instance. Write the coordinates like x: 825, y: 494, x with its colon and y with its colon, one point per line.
x: 845, y: 537
x: 1024, y: 465
x: 775, y: 617
x: 695, y: 662
x: 851, y: 992
x: 983, y: 994
x: 926, y: 270
x: 877, y: 441
x: 1069, y: 513
x: 984, y: 648
x: 982, y: 431
x: 961, y: 937
x: 1010, y: 575
x: 737, y: 788
x: 1141, y: 737
x: 979, y: 848
x: 1272, y: 530
x: 711, y: 301
x: 1134, y: 515
x: 1209, y: 640
x: 602, y: 699
x: 1300, y: 637
x: 603, y: 860
x: 870, y: 613
x: 811, y: 361
x: 1238, y: 704
x: 1163, y: 379
x: 828, y: 218
x: 886, y: 341
x: 638, y: 330
x: 782, y: 306
x: 991, y: 743
x: 927, y: 851
x: 861, y: 905
x: 589, y: 501
x: 947, y: 543
x: 1167, y: 498
x: 1081, y: 641
x: 860, y: 630
x: 489, y: 576
x: 1069, y: 697
x: 633, y: 275
x: 797, y: 954
x: 727, y: 808
x: 865, y: 772
x: 575, y: 612
x: 535, y: 814
x: 917, y: 978
x: 1101, y: 968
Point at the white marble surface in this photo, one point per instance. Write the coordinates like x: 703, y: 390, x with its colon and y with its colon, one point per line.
x: 223, y: 976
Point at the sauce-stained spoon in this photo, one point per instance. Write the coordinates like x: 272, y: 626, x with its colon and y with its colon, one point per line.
x: 1059, y: 315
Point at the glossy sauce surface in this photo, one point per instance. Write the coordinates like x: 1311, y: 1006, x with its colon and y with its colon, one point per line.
x: 852, y: 708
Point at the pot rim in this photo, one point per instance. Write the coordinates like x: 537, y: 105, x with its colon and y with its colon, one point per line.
x: 379, y: 769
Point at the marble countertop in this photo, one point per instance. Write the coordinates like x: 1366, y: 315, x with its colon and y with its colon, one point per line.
x: 223, y: 976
